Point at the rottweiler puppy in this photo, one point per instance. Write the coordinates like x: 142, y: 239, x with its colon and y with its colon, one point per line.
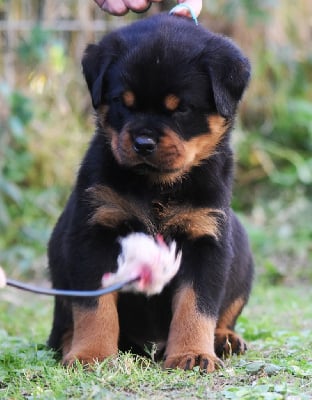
x: 165, y: 94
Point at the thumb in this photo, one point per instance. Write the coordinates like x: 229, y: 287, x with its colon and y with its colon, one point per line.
x: 196, y: 5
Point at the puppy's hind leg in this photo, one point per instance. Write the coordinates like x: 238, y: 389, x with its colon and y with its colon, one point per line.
x: 227, y: 341
x: 237, y: 291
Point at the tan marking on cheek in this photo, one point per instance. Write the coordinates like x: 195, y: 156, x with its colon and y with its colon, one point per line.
x: 126, y: 151
x: 228, y: 318
x: 114, y: 143
x: 202, y: 147
x: 172, y: 102
x: 191, y: 333
x: 184, y: 155
x: 108, y: 130
x: 194, y: 223
x: 171, y: 150
x: 121, y: 145
x: 96, y: 332
x: 128, y: 98
x: 172, y: 139
x: 111, y: 209
x: 169, y: 156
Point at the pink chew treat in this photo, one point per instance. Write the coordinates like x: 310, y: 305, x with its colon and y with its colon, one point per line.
x: 151, y: 260
x: 2, y: 278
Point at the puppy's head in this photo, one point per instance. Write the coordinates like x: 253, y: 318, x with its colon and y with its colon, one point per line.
x: 165, y: 92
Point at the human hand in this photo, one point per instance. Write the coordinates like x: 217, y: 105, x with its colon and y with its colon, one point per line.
x: 121, y: 7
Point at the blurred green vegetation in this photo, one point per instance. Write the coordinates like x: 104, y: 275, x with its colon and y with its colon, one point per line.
x: 46, y: 123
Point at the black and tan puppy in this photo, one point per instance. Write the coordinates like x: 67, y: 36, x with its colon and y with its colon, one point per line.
x: 165, y: 93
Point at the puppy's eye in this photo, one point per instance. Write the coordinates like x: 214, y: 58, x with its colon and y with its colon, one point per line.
x: 116, y: 99
x: 183, y: 109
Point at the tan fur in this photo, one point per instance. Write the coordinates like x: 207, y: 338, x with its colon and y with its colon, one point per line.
x: 201, y: 147
x: 96, y: 332
x: 225, y: 337
x: 191, y: 335
x: 67, y: 341
x: 169, y: 159
x: 171, y: 102
x: 228, y: 318
x: 121, y: 145
x: 230, y: 342
x: 192, y: 152
x: 128, y: 98
x: 111, y: 209
x: 195, y: 222
x: 174, y: 157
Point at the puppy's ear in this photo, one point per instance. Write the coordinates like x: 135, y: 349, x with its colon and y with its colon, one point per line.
x: 94, y: 68
x: 230, y: 72
x: 95, y: 63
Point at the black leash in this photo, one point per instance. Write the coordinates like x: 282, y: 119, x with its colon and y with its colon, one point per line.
x: 69, y: 293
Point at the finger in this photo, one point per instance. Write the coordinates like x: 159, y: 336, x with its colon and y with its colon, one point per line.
x: 196, y: 5
x: 114, y: 7
x: 137, y: 5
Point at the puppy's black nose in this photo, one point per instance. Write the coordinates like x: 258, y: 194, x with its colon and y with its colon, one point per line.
x: 144, y: 144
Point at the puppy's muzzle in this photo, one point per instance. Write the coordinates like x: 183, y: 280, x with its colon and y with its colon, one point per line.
x: 145, y: 144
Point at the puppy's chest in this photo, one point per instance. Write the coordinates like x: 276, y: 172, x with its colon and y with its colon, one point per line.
x: 165, y: 215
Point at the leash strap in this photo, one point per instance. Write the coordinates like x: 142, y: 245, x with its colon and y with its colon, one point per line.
x: 68, y: 293
x: 189, y: 8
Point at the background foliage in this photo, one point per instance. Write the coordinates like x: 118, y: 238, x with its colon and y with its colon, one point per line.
x: 46, y: 123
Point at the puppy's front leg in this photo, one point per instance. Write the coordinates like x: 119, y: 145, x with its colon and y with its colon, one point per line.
x: 95, y: 333
x: 195, y: 306
x: 191, y: 336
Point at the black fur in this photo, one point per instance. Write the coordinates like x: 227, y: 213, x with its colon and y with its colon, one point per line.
x: 154, y: 58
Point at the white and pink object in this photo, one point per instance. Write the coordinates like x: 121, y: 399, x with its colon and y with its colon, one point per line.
x: 149, y: 262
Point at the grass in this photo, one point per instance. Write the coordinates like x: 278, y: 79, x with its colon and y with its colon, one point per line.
x: 277, y: 324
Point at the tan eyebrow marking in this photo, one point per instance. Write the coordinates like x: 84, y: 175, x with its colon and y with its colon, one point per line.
x: 172, y: 102
x: 128, y: 98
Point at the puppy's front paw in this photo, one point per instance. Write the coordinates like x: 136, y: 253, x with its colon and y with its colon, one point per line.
x: 84, y: 357
x: 227, y: 342
x: 187, y: 361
